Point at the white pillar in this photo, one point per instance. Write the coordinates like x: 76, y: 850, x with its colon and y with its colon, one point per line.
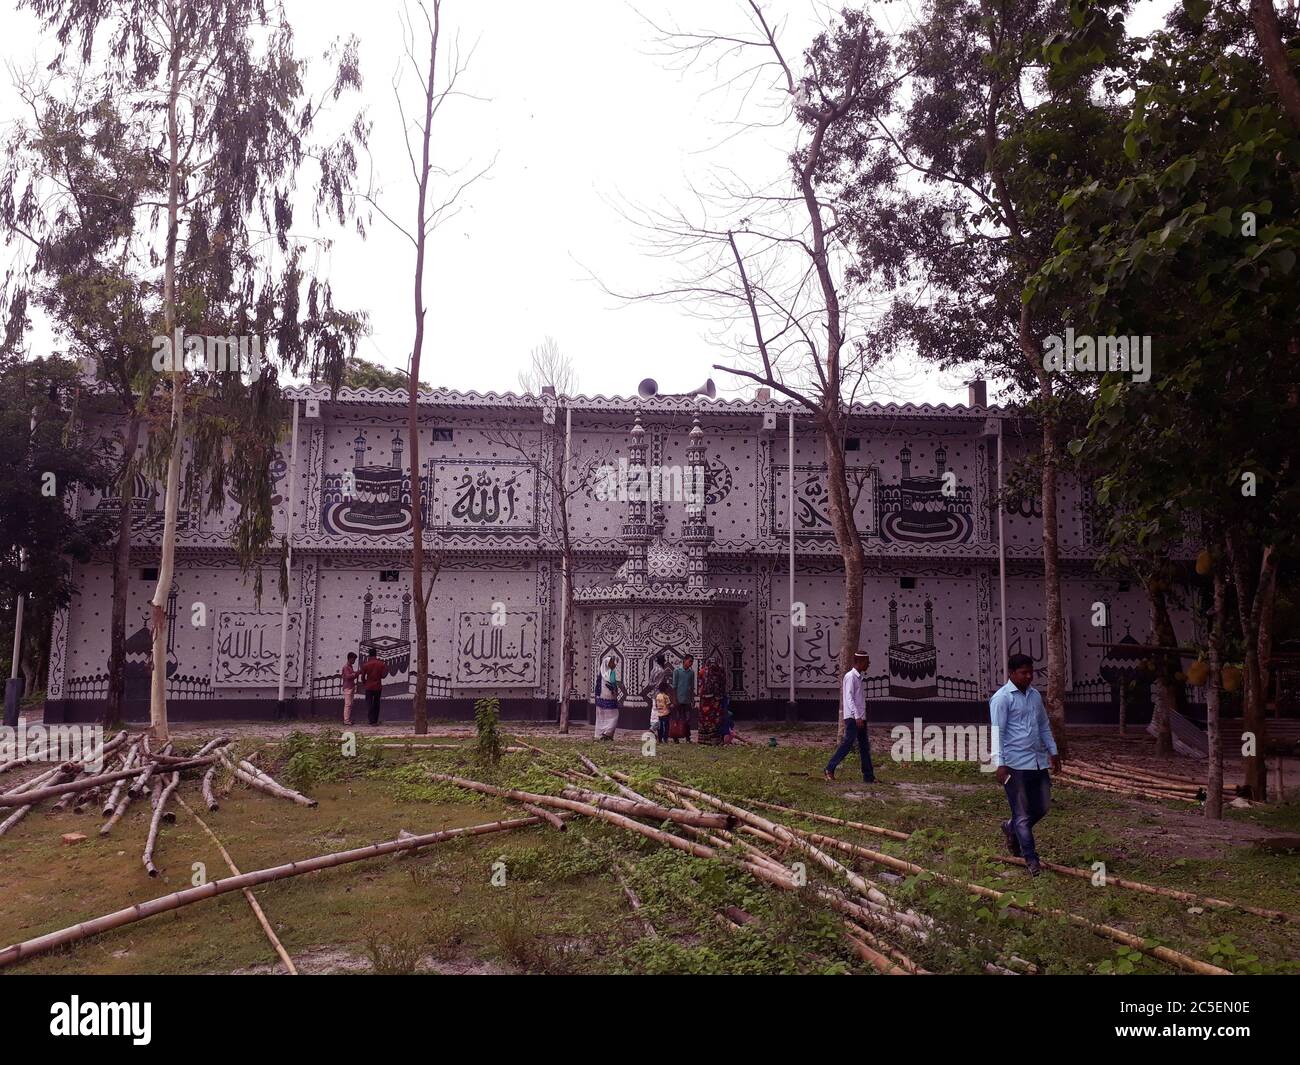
x: 284, y: 604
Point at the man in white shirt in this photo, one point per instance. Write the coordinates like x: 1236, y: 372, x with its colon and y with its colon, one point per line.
x: 854, y: 705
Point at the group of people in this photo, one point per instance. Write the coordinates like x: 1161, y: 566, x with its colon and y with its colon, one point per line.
x: 371, y: 678
x: 1023, y: 749
x: 673, y: 695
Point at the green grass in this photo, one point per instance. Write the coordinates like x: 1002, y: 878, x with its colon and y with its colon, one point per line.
x: 559, y: 909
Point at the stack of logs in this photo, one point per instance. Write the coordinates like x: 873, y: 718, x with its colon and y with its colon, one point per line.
x: 123, y: 769
x: 1142, y: 783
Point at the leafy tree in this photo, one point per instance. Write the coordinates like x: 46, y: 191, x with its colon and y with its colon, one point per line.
x: 362, y: 373
x: 46, y: 464
x: 1195, y: 245
x: 217, y: 90
x: 961, y: 211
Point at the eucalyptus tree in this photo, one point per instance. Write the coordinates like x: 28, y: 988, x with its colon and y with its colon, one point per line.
x: 75, y: 178
x: 217, y: 91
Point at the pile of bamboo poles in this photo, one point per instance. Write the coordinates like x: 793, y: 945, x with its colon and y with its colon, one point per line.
x: 124, y: 769
x: 1142, y: 783
x: 876, y: 927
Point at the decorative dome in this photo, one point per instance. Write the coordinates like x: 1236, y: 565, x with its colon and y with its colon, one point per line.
x: 664, y: 564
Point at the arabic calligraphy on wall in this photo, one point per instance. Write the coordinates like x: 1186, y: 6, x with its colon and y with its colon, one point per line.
x: 816, y: 651
x: 474, y: 494
x: 812, y: 508
x: 1028, y: 636
x: 246, y: 650
x: 496, y: 656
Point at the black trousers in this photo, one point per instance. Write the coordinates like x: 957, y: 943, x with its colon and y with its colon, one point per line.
x: 852, y: 735
x: 372, y: 705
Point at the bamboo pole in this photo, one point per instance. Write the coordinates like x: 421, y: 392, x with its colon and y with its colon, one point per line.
x: 649, y: 811
x: 1165, y: 954
x: 12, y: 799
x: 698, y: 849
x: 31, y: 785
x: 149, y: 843
x: 1135, y: 776
x: 552, y: 819
x: 1156, y: 889
x: 263, y: 783
x: 40, y: 944
x: 827, y: 819
x: 801, y: 841
x: 209, y: 796
x: 870, y: 955
x: 116, y: 816
x: 248, y: 892
x: 110, y: 804
x: 288, y: 793
x: 633, y: 900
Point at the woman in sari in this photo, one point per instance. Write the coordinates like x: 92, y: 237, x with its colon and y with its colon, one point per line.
x: 608, y: 690
x: 712, y: 687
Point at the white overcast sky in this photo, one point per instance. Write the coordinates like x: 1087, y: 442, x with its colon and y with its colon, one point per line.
x: 585, y: 120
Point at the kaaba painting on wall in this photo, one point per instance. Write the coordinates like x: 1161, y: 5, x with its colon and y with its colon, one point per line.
x: 913, y: 664
x: 920, y: 508
x: 374, y: 497
x: 138, y: 671
x: 386, y: 630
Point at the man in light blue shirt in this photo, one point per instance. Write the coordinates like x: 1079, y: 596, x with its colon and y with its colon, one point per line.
x: 1023, y: 749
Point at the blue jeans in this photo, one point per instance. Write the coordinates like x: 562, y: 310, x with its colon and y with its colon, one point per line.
x: 852, y: 735
x: 1029, y: 791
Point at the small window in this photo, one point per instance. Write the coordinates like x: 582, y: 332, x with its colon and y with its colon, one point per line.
x: 907, y: 582
x: 853, y: 443
x: 388, y: 576
x: 441, y: 436
x: 149, y: 573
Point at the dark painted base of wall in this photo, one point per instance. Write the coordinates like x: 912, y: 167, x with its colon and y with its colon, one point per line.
x: 398, y: 710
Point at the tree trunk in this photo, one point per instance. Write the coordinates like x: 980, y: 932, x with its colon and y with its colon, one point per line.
x: 1056, y: 650
x: 850, y: 545
x: 171, y: 504
x: 113, y: 710
x: 419, y: 706
x: 1214, y: 703
x: 1268, y: 32
x: 567, y: 648
x: 1251, y: 596
x: 1162, y: 635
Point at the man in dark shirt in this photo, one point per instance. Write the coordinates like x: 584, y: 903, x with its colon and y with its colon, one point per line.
x: 372, y: 676
x: 684, y: 688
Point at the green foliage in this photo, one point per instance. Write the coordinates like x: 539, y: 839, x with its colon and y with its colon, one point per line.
x: 488, y: 746
x: 315, y: 757
x: 394, y: 951
x: 1192, y: 242
x: 362, y: 373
